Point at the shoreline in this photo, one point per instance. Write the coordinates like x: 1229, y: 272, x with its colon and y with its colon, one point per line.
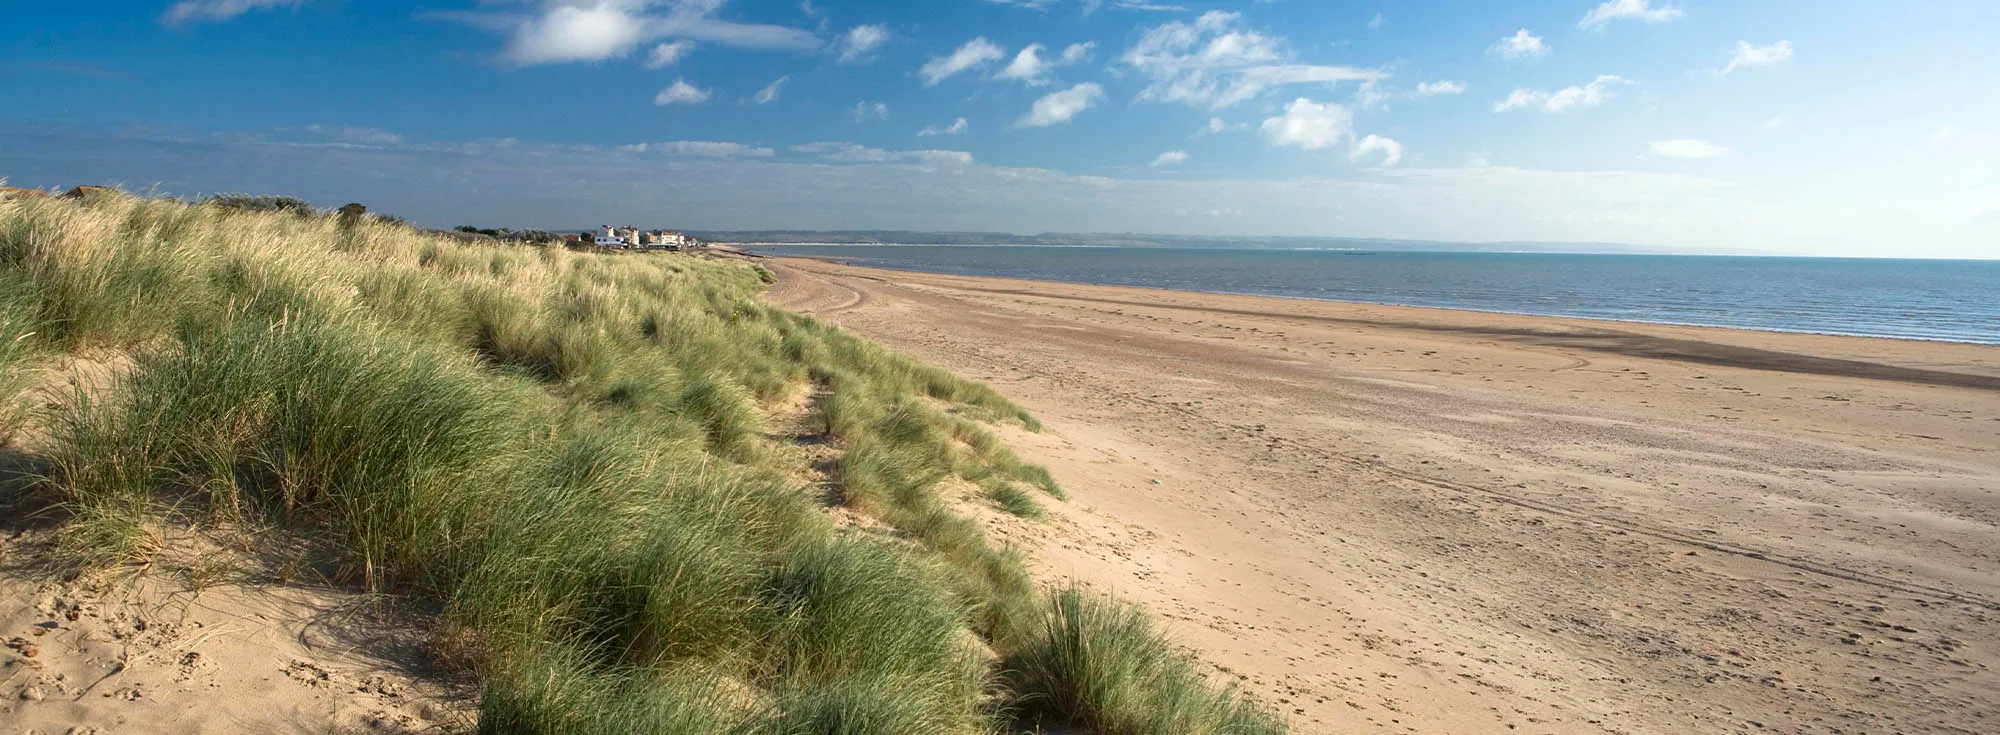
x: 1404, y: 518
x: 853, y: 263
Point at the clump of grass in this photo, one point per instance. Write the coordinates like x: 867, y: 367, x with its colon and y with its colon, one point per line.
x: 15, y: 350
x: 561, y: 694
x: 261, y: 203
x: 1010, y: 498
x: 1102, y: 664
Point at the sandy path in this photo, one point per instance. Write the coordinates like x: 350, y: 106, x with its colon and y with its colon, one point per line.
x: 1421, y: 520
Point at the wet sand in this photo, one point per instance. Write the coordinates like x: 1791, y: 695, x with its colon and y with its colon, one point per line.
x: 1394, y: 519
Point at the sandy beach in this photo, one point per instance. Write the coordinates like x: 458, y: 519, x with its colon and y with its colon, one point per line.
x: 1416, y: 520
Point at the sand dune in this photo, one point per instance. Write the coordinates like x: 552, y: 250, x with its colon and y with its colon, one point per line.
x: 1399, y: 519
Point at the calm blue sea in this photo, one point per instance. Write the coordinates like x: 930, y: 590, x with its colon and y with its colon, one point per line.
x: 1956, y: 301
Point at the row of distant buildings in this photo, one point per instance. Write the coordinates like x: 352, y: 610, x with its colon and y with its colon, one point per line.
x: 633, y: 238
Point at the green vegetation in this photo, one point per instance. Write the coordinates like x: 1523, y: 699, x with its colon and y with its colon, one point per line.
x: 571, y: 452
x: 1103, y: 664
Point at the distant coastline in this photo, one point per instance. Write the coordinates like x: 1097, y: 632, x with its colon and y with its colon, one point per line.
x: 817, y: 238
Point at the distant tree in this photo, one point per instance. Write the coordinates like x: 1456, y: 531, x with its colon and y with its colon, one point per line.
x: 467, y: 229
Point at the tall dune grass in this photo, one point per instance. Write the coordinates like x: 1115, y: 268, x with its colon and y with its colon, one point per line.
x: 567, y: 450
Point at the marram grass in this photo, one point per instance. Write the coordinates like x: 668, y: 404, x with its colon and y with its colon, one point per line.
x: 569, y: 451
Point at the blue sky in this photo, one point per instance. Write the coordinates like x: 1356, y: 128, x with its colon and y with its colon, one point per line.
x: 1837, y: 128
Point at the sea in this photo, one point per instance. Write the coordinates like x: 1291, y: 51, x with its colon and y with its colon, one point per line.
x: 1940, y: 300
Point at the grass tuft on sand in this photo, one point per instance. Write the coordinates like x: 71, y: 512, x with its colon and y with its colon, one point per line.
x: 569, y: 453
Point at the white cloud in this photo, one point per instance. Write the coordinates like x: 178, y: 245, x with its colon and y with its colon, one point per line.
x: 667, y: 54
x: 1747, y: 55
x: 956, y: 158
x: 1688, y: 148
x: 701, y: 148
x: 1170, y: 158
x: 1309, y: 125
x: 1392, y: 151
x: 1371, y: 96
x: 560, y: 31
x: 1375, y: 23
x: 1216, y: 62
x: 861, y: 41
x: 1521, y: 45
x: 769, y: 93
x: 1031, y: 68
x: 576, y: 33
x: 857, y: 153
x: 1440, y: 87
x: 1636, y: 9
x: 1774, y: 123
x: 1028, y: 67
x: 1091, y: 6
x: 216, y: 11
x: 1565, y: 99
x: 975, y: 53
x: 1218, y: 126
x: 865, y: 111
x: 957, y: 127
x: 1063, y: 106
x: 680, y: 92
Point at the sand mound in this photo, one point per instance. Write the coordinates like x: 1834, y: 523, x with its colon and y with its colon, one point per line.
x: 165, y: 650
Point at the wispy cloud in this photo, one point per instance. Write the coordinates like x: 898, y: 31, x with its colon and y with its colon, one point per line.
x: 957, y: 127
x: 1060, y: 107
x: 1169, y: 158
x: 1519, y: 47
x: 701, y: 148
x: 1030, y: 67
x: 355, y: 135
x: 1566, y: 99
x: 1747, y: 56
x: 769, y: 93
x: 1688, y: 148
x: 680, y: 93
x: 1642, y: 10
x: 668, y: 54
x: 865, y: 111
x: 975, y: 53
x: 861, y: 41
x: 1216, y: 62
x: 857, y: 153
x: 1440, y: 87
x: 1218, y: 126
x: 189, y: 12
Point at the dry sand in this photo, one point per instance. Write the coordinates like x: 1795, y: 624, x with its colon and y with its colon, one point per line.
x: 1402, y: 519
x: 147, y: 652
